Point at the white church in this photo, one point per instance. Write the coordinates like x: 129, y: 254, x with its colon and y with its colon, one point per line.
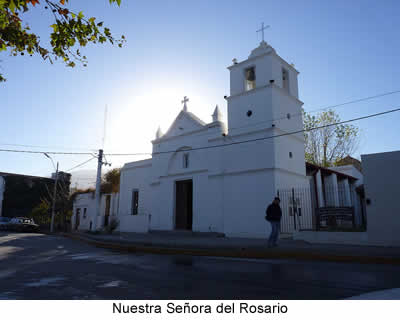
x: 218, y: 177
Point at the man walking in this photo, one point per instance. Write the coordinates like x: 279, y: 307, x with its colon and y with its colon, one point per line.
x: 274, y: 215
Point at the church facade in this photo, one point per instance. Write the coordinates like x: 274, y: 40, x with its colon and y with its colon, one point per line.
x: 217, y: 177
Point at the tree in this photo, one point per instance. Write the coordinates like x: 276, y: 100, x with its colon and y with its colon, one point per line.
x: 110, y: 181
x: 69, y: 31
x: 328, y: 145
x: 63, y: 207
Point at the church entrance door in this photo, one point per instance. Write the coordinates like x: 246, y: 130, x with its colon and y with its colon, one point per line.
x: 184, y: 205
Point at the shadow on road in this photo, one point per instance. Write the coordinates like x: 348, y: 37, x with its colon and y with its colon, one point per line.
x: 36, y: 266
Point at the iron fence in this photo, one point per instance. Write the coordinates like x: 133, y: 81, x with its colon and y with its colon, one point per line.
x: 297, y: 209
x: 304, y: 209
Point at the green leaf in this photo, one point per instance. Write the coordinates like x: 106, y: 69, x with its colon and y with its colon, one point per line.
x: 12, y: 6
x: 117, y: 1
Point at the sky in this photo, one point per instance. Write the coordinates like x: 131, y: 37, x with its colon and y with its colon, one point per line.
x: 344, y: 50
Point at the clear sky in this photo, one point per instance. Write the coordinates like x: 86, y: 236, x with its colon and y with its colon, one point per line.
x: 344, y: 50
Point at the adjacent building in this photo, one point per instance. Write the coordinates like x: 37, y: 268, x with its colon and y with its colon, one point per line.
x: 382, y: 194
x: 20, y: 194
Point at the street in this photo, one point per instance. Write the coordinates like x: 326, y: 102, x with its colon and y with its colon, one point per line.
x: 36, y: 266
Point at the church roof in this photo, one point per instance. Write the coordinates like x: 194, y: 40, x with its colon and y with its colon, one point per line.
x: 185, y: 122
x: 195, y: 118
x: 262, y: 49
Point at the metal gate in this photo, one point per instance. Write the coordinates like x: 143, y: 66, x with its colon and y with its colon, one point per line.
x: 297, y: 206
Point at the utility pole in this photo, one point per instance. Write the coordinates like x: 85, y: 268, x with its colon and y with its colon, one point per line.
x: 53, y: 208
x: 98, y: 186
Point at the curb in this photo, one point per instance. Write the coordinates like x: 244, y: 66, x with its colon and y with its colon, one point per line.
x: 236, y: 253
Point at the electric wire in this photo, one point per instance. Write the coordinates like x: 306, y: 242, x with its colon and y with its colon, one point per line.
x: 232, y: 128
x: 294, y: 115
x: 44, y: 147
x: 199, y: 148
x: 48, y: 152
x: 263, y: 138
x: 298, y: 114
x: 81, y: 164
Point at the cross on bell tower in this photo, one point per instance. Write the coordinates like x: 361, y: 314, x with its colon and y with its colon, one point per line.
x: 262, y: 30
x: 184, y: 101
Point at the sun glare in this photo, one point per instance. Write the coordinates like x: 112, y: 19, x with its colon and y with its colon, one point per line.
x: 136, y: 117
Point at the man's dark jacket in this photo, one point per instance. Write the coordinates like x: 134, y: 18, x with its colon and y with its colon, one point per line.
x: 274, y: 213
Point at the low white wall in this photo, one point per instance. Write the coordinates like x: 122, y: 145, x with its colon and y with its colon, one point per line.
x: 353, y: 238
x: 134, y: 223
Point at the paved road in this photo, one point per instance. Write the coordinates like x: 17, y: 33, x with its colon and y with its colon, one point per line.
x: 34, y: 266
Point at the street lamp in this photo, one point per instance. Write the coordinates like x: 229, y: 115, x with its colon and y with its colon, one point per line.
x: 53, y: 207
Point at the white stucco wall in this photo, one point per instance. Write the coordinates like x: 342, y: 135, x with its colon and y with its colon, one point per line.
x: 268, y: 66
x: 247, y: 196
x: 82, y: 201
x: 135, y: 176
x: 382, y: 189
x: 87, y: 200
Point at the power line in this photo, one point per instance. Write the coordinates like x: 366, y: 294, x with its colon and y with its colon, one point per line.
x: 348, y: 102
x: 199, y: 148
x: 321, y: 108
x: 48, y: 152
x: 300, y: 113
x: 81, y: 164
x: 232, y: 128
x: 44, y: 147
x: 264, y: 138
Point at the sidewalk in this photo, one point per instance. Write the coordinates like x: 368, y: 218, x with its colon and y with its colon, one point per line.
x: 216, y: 245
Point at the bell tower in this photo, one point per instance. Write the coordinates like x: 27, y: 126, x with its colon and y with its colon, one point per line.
x: 262, y: 88
x: 264, y: 103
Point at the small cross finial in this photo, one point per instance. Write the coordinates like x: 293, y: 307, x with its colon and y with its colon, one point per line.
x: 262, y: 30
x: 184, y: 101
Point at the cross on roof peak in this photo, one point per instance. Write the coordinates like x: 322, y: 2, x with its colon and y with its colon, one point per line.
x: 184, y: 101
x: 262, y: 30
